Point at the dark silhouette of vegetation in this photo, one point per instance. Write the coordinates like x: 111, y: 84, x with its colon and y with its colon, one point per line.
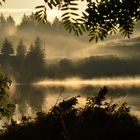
x: 14, y: 64
x: 7, y: 48
x: 7, y: 25
x: 93, y: 66
x: 38, y: 66
x: 21, y: 50
x: 6, y: 109
x: 10, y: 21
x: 98, y: 119
x: 35, y: 60
x: 100, y: 17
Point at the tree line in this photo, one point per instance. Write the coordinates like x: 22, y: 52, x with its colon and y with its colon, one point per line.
x: 29, y: 24
x: 29, y: 63
x: 23, y: 63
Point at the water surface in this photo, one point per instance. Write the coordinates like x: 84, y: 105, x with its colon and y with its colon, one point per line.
x: 41, y: 95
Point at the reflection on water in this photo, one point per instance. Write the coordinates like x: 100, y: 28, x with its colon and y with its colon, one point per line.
x: 77, y: 82
x: 42, y: 95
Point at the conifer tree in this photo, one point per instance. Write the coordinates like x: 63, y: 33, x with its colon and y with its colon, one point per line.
x: 21, y: 49
x: 7, y: 48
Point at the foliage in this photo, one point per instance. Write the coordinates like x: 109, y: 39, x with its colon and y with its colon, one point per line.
x: 33, y: 60
x: 104, y: 120
x: 10, y: 21
x: 100, y: 18
x: 5, y: 109
x: 4, y: 84
x: 7, y: 48
x: 27, y: 22
x: 37, y: 66
x: 2, y: 20
x: 21, y: 49
x: 36, y: 53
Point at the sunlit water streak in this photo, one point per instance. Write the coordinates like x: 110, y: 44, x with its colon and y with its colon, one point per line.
x: 77, y: 82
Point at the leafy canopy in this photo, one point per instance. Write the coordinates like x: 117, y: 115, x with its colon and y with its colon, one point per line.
x: 99, y: 19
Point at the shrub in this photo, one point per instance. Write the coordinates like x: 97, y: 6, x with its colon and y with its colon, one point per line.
x: 98, y: 120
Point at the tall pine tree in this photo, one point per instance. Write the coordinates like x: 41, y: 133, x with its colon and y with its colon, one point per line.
x: 7, y: 48
x: 21, y: 49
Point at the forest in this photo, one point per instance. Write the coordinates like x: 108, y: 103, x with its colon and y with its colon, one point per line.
x: 29, y: 65
x: 19, y: 49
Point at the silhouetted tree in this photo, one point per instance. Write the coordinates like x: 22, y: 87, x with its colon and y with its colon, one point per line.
x: 7, y: 48
x: 66, y: 68
x: 3, y: 24
x: 10, y: 26
x: 21, y: 49
x: 10, y: 21
x: 19, y: 60
x: 35, y: 60
x: 2, y: 20
x: 24, y: 23
x: 38, y: 43
x: 32, y: 20
x: 57, y: 25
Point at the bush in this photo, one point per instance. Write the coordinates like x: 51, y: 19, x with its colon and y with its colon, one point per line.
x: 98, y: 120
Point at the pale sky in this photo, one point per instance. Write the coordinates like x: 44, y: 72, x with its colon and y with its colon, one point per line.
x: 26, y: 4
x: 17, y: 8
x: 21, y: 4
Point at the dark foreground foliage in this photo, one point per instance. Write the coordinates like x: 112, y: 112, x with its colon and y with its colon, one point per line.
x: 98, y: 120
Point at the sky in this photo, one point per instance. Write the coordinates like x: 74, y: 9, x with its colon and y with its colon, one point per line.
x: 21, y: 4
x: 16, y: 8
x: 24, y: 4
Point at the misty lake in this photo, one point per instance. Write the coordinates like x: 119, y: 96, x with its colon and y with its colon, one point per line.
x: 42, y: 95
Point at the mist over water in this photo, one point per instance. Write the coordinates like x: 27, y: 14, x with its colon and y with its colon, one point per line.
x: 78, y: 82
x: 42, y: 95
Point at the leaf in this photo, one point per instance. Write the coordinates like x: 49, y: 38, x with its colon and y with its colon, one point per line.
x: 83, y: 27
x: 41, y: 6
x: 73, y: 3
x: 96, y: 39
x: 50, y: 5
x: 80, y: 19
x: 38, y: 12
x: 73, y: 8
x: 92, y: 38
x: 66, y: 18
x: 64, y: 9
x: 53, y: 3
x: 74, y: 14
x: 70, y: 29
x: 67, y: 24
x: 63, y: 15
x: 80, y: 31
